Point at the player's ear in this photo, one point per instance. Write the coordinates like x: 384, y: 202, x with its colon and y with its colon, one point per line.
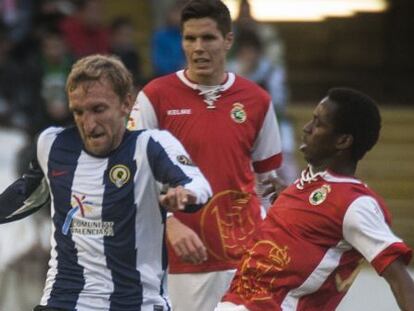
x: 127, y: 104
x: 228, y: 40
x: 344, y: 141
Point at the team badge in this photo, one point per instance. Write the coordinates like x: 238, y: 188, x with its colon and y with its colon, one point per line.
x: 319, y: 195
x: 238, y: 114
x: 184, y: 160
x: 119, y: 175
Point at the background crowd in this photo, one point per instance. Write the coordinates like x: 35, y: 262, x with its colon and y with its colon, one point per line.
x: 40, y: 40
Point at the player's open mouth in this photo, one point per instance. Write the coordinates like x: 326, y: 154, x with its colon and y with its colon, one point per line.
x: 95, y: 136
x: 201, y: 61
x: 303, y: 145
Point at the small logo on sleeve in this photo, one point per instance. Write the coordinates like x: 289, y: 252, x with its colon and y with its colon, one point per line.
x: 184, y: 160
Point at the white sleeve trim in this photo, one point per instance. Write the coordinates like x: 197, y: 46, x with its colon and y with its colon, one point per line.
x: 268, y: 142
x: 364, y: 227
x: 143, y: 114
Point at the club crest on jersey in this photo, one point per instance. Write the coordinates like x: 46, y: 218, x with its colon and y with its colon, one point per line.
x: 184, y: 160
x: 119, y: 175
x: 319, y: 195
x: 238, y: 114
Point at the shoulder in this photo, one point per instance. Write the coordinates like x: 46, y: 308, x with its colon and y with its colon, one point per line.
x: 58, y: 141
x: 158, y: 135
x: 354, y: 197
x: 159, y: 84
x: 66, y: 136
x: 246, y: 85
x: 49, y: 134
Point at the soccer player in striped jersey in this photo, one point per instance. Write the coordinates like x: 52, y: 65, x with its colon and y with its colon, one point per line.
x: 309, y: 249
x: 103, y: 183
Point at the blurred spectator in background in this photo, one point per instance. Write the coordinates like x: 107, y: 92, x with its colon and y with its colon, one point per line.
x: 56, y: 64
x: 84, y: 31
x: 273, y: 46
x: 16, y: 15
x: 22, y: 267
x: 53, y: 66
x: 167, y: 55
x: 49, y: 13
x: 123, y: 45
x: 5, y: 87
x: 249, y: 60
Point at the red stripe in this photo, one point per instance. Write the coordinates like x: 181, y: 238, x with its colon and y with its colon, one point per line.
x: 391, y: 253
x: 268, y: 164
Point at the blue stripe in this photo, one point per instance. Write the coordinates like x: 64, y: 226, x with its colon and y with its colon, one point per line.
x: 163, y: 169
x: 118, y: 206
x: 62, y: 163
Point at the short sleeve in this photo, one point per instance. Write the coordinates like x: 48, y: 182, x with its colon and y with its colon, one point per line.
x: 365, y: 228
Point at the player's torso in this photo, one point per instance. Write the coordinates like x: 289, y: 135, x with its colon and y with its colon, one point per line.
x: 300, y: 250
x: 98, y: 223
x: 220, y: 141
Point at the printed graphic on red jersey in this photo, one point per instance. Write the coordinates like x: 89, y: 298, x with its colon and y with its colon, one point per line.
x: 230, y: 214
x: 260, y: 269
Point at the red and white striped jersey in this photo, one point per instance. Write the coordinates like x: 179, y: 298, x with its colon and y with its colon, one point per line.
x: 231, y: 132
x: 308, y: 251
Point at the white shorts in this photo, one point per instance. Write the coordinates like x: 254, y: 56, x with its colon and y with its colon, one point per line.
x: 229, y: 306
x: 198, y: 291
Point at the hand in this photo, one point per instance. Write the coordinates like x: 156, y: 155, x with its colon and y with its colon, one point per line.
x: 177, y: 198
x: 185, y: 242
x: 273, y: 187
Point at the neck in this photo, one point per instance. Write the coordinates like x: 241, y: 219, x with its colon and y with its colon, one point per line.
x: 341, y: 167
x: 216, y: 79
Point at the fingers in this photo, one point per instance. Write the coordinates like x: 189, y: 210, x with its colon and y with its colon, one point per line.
x: 175, y: 199
x: 273, y: 187
x: 185, y: 242
x: 191, y: 251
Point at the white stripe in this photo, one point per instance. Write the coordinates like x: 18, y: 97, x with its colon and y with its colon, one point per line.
x: 52, y: 272
x: 44, y: 145
x: 315, y: 280
x: 267, y: 143
x: 143, y: 114
x: 98, y: 279
x: 149, y: 228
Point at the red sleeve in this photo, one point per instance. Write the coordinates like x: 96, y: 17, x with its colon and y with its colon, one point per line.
x: 390, y: 254
x: 268, y: 164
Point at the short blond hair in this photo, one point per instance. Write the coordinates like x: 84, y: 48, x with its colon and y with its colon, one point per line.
x: 97, y: 67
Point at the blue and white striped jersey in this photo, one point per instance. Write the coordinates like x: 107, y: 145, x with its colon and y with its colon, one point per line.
x: 108, y: 248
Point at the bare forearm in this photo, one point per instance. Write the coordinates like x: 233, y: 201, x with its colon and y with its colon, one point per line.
x: 401, y: 285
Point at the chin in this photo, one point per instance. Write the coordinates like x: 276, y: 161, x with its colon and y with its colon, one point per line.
x: 203, y: 72
x: 96, y: 151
